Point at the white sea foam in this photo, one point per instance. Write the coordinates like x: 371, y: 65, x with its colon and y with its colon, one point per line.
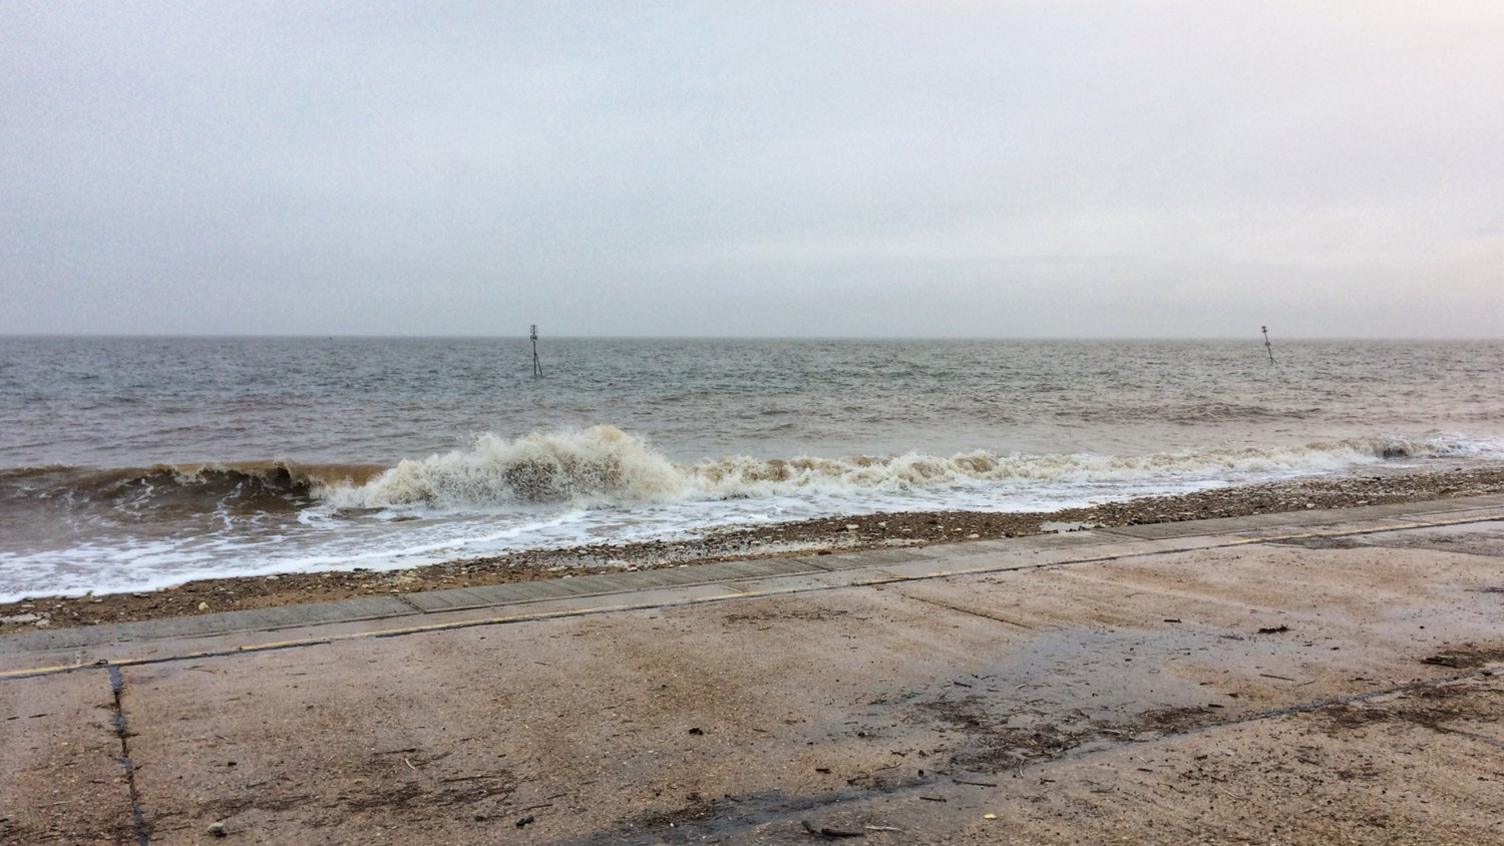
x: 600, y: 485
x: 596, y: 465
x: 602, y: 465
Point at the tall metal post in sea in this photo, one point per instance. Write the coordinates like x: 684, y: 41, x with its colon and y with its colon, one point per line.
x: 533, y: 335
x: 1267, y: 346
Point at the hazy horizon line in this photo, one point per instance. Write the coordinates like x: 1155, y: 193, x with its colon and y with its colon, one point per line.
x: 1255, y: 336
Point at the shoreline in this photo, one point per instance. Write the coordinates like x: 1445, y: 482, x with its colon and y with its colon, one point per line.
x: 842, y: 533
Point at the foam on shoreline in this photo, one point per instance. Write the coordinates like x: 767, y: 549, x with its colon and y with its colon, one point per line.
x: 880, y: 530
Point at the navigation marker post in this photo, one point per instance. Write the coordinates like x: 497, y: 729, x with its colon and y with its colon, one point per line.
x: 533, y: 335
x: 1267, y: 346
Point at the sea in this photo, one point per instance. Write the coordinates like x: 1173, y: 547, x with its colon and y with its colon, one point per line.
x: 128, y: 464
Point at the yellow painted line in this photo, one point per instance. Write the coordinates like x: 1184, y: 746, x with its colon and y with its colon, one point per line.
x: 49, y: 670
x: 890, y: 578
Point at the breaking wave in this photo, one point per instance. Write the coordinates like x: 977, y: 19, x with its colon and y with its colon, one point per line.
x: 599, y: 464
x: 251, y: 484
x: 603, y: 465
x: 73, y: 529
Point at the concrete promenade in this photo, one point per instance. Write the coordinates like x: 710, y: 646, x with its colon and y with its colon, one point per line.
x: 1313, y: 677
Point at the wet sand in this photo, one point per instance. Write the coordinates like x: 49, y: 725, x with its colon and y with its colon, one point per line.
x: 1373, y: 487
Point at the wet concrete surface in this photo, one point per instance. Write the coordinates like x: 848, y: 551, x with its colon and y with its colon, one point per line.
x: 1226, y: 693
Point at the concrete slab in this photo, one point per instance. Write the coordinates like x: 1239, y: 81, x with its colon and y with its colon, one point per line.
x: 509, y: 594
x: 1391, y: 770
x: 1482, y: 538
x: 208, y: 625
x: 62, y: 779
x: 762, y: 568
x: 734, y: 719
x: 450, y: 600
x: 803, y: 583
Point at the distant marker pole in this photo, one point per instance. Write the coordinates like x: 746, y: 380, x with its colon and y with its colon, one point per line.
x: 1267, y: 346
x: 533, y: 334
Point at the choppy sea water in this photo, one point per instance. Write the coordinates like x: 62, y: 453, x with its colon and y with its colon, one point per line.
x: 127, y: 464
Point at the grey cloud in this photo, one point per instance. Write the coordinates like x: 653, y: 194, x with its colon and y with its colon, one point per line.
x: 1020, y: 168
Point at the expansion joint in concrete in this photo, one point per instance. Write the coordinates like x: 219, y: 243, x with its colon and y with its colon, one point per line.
x: 402, y: 598
x: 139, y: 827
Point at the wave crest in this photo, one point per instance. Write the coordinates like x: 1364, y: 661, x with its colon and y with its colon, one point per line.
x: 603, y: 465
x: 245, y: 480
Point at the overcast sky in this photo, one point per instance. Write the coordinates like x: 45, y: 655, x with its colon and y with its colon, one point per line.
x: 758, y: 168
